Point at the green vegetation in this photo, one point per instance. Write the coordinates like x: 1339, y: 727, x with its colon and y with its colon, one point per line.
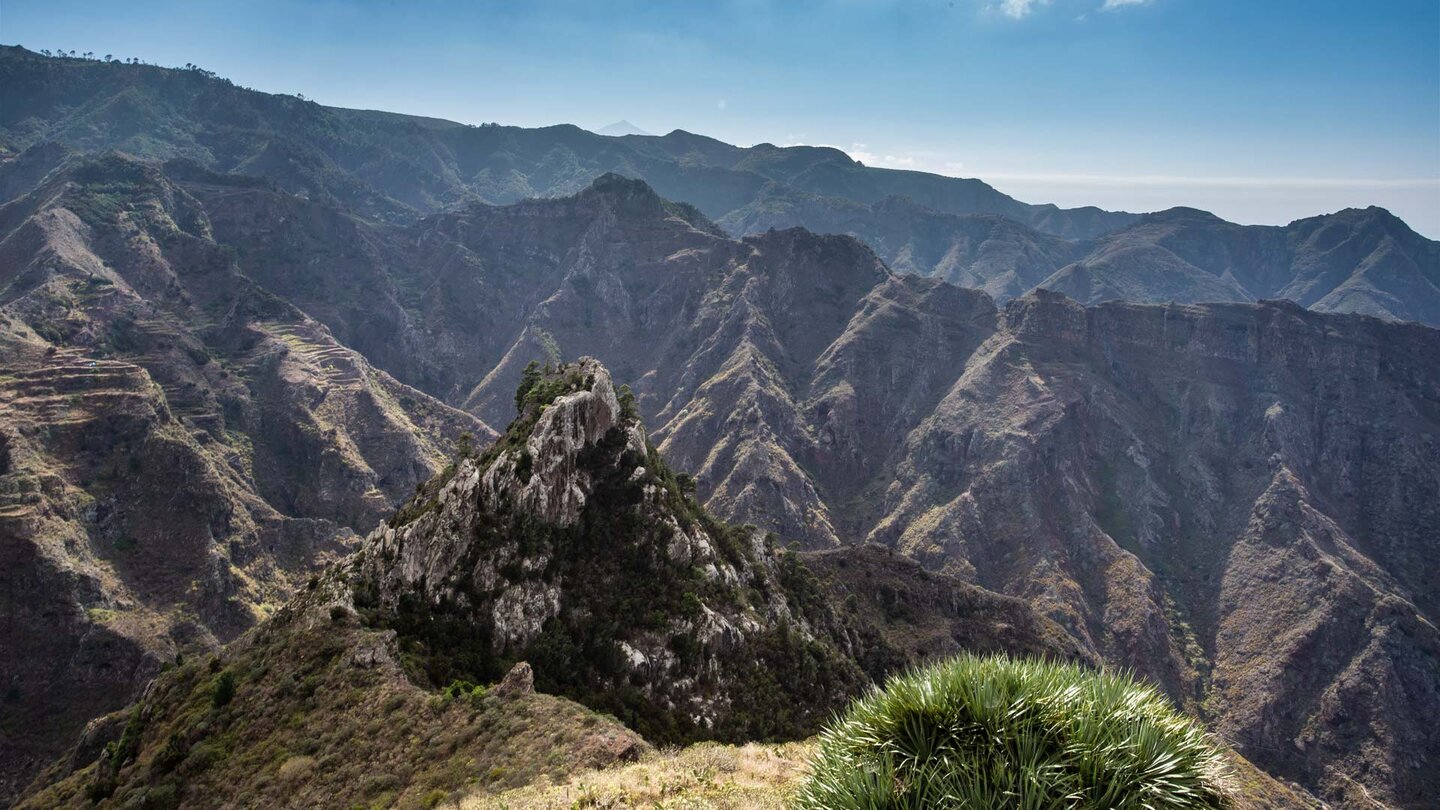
x: 304, y: 726
x: 999, y: 732
x: 224, y: 689
x: 529, y: 378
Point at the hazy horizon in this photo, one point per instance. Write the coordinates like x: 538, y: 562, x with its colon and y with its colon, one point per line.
x: 1260, y: 115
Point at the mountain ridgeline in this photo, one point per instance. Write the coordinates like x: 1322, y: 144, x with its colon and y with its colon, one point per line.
x: 396, y: 168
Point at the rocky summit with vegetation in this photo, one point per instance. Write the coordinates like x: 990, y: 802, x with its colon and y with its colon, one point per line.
x: 571, y: 544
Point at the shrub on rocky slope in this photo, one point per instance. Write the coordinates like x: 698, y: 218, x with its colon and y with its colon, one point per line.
x: 997, y: 731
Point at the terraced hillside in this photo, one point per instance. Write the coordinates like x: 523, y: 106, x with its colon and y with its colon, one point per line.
x: 178, y: 449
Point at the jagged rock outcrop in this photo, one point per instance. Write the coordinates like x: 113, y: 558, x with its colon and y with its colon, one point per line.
x: 571, y: 545
x: 519, y: 681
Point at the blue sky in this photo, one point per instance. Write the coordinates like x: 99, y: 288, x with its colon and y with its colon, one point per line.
x: 1260, y: 111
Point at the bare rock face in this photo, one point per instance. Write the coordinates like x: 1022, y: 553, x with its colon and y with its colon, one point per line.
x: 554, y: 488
x: 1236, y: 501
x: 518, y: 682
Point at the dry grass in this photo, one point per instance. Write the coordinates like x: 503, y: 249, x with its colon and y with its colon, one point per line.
x: 707, y: 776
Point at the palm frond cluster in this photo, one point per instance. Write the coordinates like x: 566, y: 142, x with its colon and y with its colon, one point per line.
x: 990, y: 732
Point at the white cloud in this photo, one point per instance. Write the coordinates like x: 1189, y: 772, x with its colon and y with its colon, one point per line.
x: 921, y: 160
x: 720, y: 105
x: 858, y: 151
x: 1019, y: 9
x: 1016, y: 9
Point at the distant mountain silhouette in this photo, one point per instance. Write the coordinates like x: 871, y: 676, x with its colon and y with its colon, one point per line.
x: 621, y: 127
x: 397, y: 167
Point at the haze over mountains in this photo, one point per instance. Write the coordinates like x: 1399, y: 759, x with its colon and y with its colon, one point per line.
x: 395, y: 168
x: 221, y: 368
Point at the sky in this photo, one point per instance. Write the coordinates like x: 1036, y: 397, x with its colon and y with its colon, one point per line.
x: 1263, y: 111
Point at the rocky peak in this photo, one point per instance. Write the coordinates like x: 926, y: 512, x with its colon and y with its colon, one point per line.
x: 520, y: 680
x: 622, y: 187
x: 633, y: 199
x: 1181, y: 213
x: 1045, y: 314
x: 545, y: 468
x: 545, y: 477
x: 570, y: 544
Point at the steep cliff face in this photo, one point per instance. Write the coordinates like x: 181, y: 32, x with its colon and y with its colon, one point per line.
x: 179, y: 446
x: 570, y: 544
x: 1238, y: 501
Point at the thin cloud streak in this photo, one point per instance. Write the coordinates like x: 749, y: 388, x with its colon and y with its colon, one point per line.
x: 1221, y: 182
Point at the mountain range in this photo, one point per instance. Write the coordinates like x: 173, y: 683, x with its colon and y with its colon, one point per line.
x: 397, y: 168
x: 234, y: 347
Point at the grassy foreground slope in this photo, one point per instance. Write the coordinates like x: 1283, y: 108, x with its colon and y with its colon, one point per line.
x: 311, y: 709
x: 706, y: 776
x: 709, y: 776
